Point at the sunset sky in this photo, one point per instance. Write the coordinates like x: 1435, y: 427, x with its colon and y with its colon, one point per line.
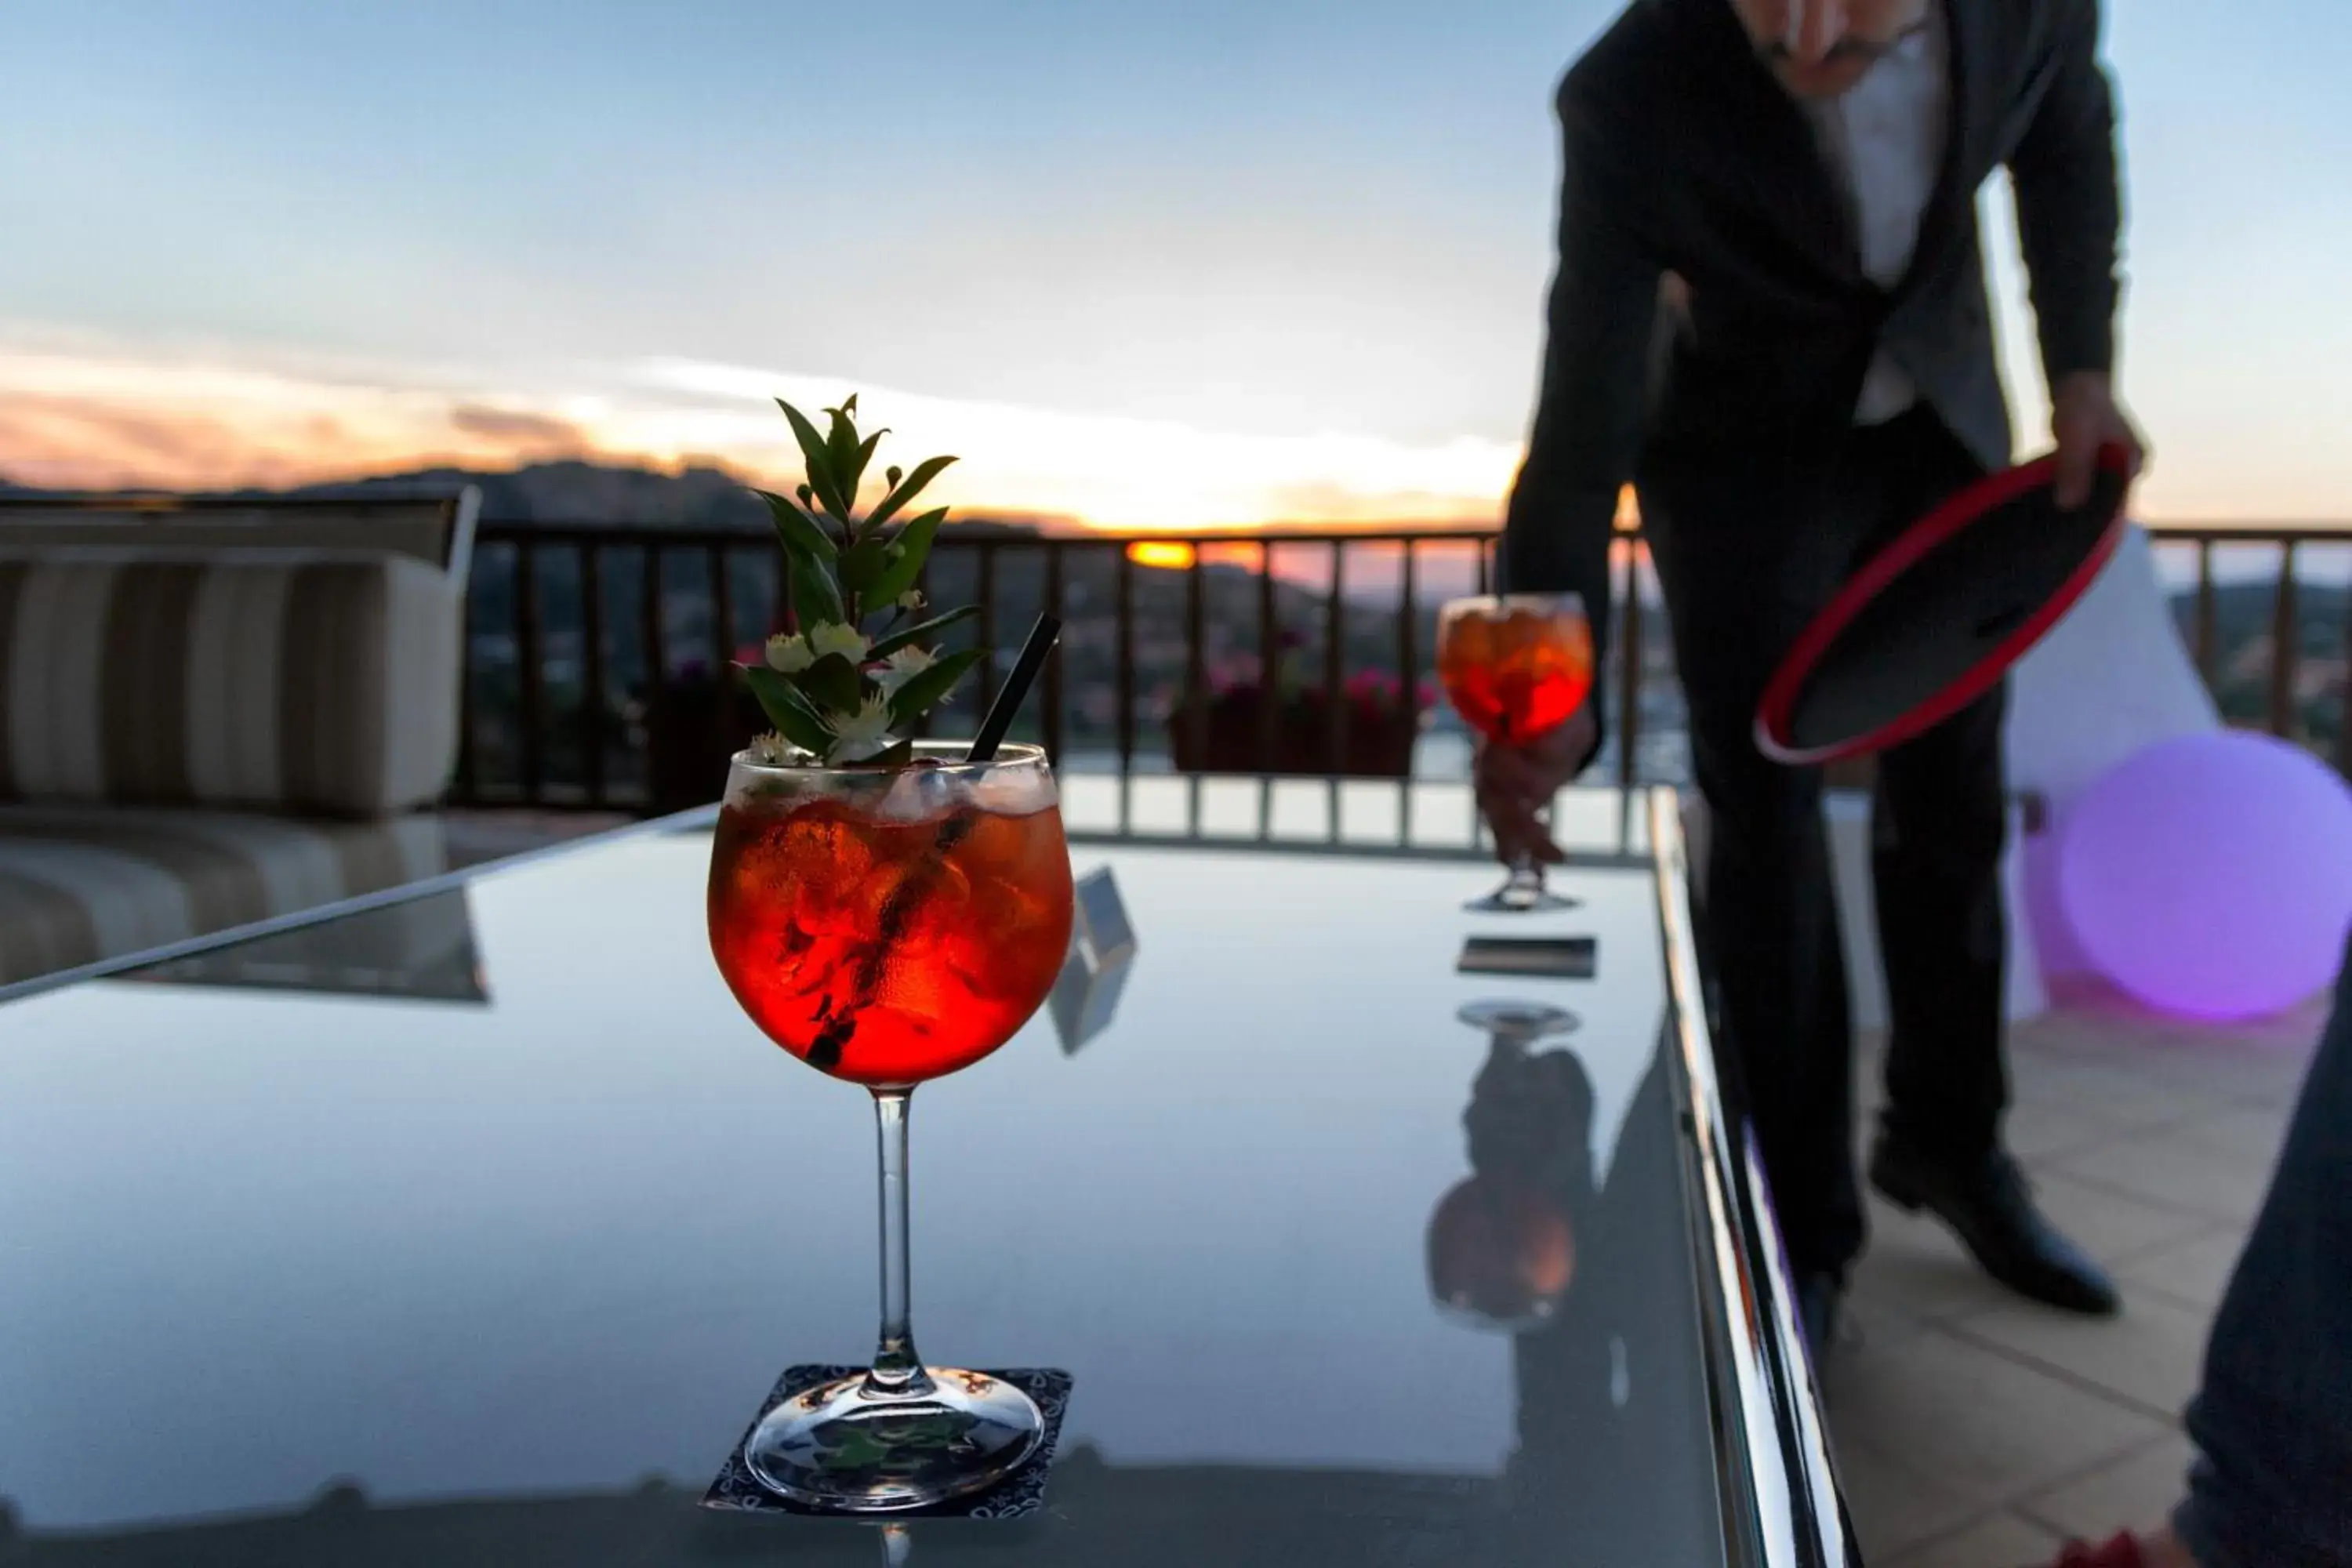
x: 1213, y: 262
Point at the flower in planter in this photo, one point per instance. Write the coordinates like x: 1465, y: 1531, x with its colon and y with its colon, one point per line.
x: 1379, y: 693
x: 844, y: 690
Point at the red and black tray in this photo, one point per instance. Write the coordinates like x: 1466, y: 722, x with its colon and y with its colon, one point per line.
x: 1938, y: 616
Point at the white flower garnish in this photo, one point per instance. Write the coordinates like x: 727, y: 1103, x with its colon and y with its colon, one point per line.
x: 911, y: 600
x: 832, y: 636
x: 773, y: 750
x: 903, y: 666
x: 789, y: 655
x: 861, y: 736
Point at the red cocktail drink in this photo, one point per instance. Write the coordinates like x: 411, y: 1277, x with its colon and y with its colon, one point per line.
x: 1516, y: 668
x: 1513, y: 672
x: 882, y: 949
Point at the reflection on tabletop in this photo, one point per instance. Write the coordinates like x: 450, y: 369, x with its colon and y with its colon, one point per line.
x: 1600, y: 1384
x: 1240, y: 1185
x: 418, y: 950
x: 1102, y: 949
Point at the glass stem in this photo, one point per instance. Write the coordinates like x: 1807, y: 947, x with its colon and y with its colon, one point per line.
x: 897, y: 1371
x: 1527, y: 878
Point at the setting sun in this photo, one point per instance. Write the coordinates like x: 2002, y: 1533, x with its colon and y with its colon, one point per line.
x: 1161, y: 553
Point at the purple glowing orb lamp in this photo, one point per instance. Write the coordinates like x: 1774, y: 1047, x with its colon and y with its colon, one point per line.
x: 2211, y: 875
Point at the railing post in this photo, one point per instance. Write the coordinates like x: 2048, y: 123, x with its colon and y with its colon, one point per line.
x: 1630, y: 652
x: 1123, y: 613
x: 1269, y: 666
x: 2207, y: 612
x: 722, y: 653
x: 1050, y: 718
x: 527, y: 669
x: 649, y: 622
x: 985, y: 586
x: 1335, y: 673
x: 591, y: 667
x: 1123, y: 634
x: 1196, y: 708
x: 2285, y: 656
x: 1408, y: 679
x: 468, y: 786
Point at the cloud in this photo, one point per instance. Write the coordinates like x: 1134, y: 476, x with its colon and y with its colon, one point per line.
x: 78, y: 411
x: 536, y: 433
x: 1122, y: 472
x: 105, y: 415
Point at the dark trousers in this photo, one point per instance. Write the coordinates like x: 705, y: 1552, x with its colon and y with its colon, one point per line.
x: 1744, y: 566
x: 2272, y: 1486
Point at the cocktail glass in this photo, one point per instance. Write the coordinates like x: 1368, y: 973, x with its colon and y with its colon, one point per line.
x: 888, y: 928
x: 1516, y: 666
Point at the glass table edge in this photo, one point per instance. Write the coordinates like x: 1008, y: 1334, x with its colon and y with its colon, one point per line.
x: 1782, y: 1506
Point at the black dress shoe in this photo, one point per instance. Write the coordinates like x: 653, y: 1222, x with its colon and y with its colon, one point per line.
x: 1818, y: 1296
x: 1987, y: 1203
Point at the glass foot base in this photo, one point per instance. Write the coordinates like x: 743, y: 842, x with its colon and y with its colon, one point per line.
x: 1525, y: 1022
x: 1513, y: 899
x: 842, y: 1449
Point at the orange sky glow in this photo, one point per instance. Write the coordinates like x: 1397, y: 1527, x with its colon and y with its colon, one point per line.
x: 82, y: 417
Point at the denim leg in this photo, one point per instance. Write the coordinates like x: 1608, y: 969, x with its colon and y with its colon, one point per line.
x: 2271, y: 1487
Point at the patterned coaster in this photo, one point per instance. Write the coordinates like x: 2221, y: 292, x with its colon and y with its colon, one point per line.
x: 738, y: 1490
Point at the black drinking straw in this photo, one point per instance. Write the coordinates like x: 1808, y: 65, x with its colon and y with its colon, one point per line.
x: 1009, y: 697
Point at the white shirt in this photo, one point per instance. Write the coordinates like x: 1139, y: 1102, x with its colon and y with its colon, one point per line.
x: 1884, y: 140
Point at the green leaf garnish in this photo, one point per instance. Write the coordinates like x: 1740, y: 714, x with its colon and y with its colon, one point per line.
x: 914, y: 543
x: 927, y: 690
x: 863, y: 567
x: 815, y: 597
x: 796, y: 531
x: 785, y: 710
x: 819, y: 459
x: 844, y: 569
x: 834, y: 682
x: 921, y: 633
x: 903, y: 491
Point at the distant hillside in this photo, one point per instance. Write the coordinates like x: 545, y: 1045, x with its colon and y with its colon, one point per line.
x: 574, y: 491
x: 2243, y: 655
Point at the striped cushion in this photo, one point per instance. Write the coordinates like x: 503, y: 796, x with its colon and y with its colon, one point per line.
x: 436, y: 530
x: 82, y: 883
x: 309, y: 682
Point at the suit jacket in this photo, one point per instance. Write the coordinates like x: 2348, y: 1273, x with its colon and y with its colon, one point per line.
x: 1682, y: 152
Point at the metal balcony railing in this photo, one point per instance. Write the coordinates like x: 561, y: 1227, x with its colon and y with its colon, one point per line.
x: 596, y: 657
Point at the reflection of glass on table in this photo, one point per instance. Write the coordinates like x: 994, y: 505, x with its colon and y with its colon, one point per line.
x: 1501, y: 1250
x: 1102, y: 950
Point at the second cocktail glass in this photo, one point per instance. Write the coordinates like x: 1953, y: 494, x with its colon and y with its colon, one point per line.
x: 1516, y: 666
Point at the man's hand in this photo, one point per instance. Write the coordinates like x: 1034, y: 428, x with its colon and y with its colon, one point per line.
x: 1812, y: 27
x: 1515, y: 785
x: 2083, y: 417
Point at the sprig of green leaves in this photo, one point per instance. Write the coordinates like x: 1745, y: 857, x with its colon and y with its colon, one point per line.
x: 842, y: 685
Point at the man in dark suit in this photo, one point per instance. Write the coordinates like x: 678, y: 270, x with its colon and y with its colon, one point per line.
x: 1769, y: 315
